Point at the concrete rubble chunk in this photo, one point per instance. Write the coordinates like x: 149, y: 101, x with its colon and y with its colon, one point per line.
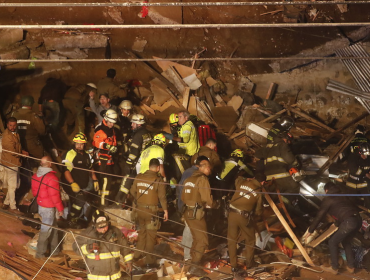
x: 139, y: 45
x: 18, y: 52
x: 9, y: 37
x: 89, y: 41
x: 115, y: 14
x: 75, y: 53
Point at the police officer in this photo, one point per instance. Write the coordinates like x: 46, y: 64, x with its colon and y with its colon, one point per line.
x: 244, y: 205
x: 106, y: 144
x: 154, y: 151
x: 103, y: 259
x: 138, y: 142
x: 30, y: 127
x: 77, y: 179
x: 284, y: 125
x: 196, y: 195
x: 209, y: 150
x: 148, y: 190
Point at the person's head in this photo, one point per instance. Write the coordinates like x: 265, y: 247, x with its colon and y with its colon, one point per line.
x: 174, y: 119
x: 154, y: 165
x: 101, y: 221
x: 125, y: 107
x: 360, y: 129
x: 46, y: 161
x: 110, y: 117
x: 330, y: 188
x: 104, y: 99
x: 211, y: 143
x: 183, y: 117
x: 79, y: 141
x: 137, y: 121
x: 27, y: 100
x: 159, y: 139
x: 364, y: 150
x: 203, y: 164
x: 286, y: 122
x: 11, y: 124
x: 111, y: 73
x: 237, y: 153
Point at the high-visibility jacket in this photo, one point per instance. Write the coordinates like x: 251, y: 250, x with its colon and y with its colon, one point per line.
x: 189, y: 138
x: 79, y: 159
x: 103, y: 137
x: 153, y: 151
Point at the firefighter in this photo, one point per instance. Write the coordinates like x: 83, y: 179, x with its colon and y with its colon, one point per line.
x: 245, y: 204
x: 154, y: 151
x: 359, y: 173
x: 284, y: 125
x: 209, y: 150
x: 124, y: 123
x: 174, y: 124
x: 77, y: 179
x: 138, y: 142
x: 103, y: 259
x: 148, y: 190
x: 30, y: 127
x: 352, y: 151
x: 196, y: 196
x: 187, y: 136
x: 106, y: 144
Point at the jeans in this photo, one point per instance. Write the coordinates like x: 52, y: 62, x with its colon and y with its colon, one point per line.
x: 48, y: 236
x: 187, y: 240
x: 345, y: 233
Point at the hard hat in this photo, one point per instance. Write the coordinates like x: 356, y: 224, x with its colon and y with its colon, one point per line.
x: 125, y: 104
x: 80, y: 138
x: 159, y: 139
x: 286, y: 122
x: 237, y: 153
x: 100, y: 219
x: 110, y: 116
x: 138, y: 119
x: 27, y: 100
x: 364, y: 149
x: 360, y: 129
x: 92, y: 85
x: 174, y: 118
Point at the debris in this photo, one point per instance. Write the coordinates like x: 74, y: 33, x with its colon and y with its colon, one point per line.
x: 343, y: 8
x: 115, y: 14
x: 183, y: 70
x: 88, y: 41
x: 16, y: 52
x: 207, y: 94
x: 193, y: 82
x: 9, y: 37
x: 75, y: 53
x: 157, y: 18
x: 235, y: 102
x: 272, y: 12
x: 139, y: 45
x: 271, y: 92
x: 160, y: 91
x: 185, y: 97
x: 210, y: 81
x: 172, y: 75
x: 144, y: 11
x: 225, y: 117
x: 347, y: 90
x: 333, y: 228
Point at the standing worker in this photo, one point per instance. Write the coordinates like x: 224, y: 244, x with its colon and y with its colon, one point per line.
x: 107, y: 85
x: 196, y: 195
x: 103, y: 259
x: 244, y: 205
x: 148, y: 190
x: 124, y: 123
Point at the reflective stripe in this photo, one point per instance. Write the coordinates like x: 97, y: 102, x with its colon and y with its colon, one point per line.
x: 68, y: 161
x: 179, y: 164
x: 277, y: 176
x: 131, y: 156
x: 356, y: 186
x: 105, y: 256
x: 84, y: 250
x: 359, y: 171
x: 102, y: 277
x: 103, y: 192
x: 76, y: 207
x: 134, y: 145
x: 274, y: 158
x: 128, y: 257
x: 124, y: 190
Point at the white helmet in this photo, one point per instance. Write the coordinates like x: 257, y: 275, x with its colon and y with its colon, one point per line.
x: 92, y: 85
x: 138, y: 119
x: 125, y: 104
x: 111, y: 116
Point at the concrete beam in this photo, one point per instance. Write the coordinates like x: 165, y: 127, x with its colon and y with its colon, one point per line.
x: 20, y: 52
x: 89, y: 41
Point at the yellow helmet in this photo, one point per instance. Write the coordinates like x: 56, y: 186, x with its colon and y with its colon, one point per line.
x: 174, y: 118
x: 237, y: 153
x: 159, y: 139
x: 80, y: 138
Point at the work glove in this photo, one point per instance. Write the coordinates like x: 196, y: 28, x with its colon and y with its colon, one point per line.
x: 308, y: 237
x: 111, y: 148
x: 168, y: 136
x: 96, y: 185
x: 75, y: 187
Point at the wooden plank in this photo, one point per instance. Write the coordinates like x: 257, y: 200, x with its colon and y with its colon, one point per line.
x: 235, y: 135
x: 192, y: 106
x: 150, y: 110
x: 172, y: 75
x: 347, y: 125
x: 232, y: 129
x: 273, y: 117
x: 208, y: 95
x: 235, y: 102
x: 287, y: 228
x: 185, y: 97
x: 326, y: 234
x: 220, y: 100
x: 183, y: 70
x: 271, y: 92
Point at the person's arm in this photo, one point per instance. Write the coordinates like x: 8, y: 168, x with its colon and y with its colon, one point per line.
x: 134, y: 150
x: 288, y: 156
x: 205, y: 191
x: 325, y: 205
x: 93, y: 106
x: 185, y: 133
x: 54, y: 192
x: 242, y: 166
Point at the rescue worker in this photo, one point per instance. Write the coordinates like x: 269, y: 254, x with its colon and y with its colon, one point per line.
x: 124, y: 123
x: 209, y: 150
x: 284, y: 125
x: 187, y: 136
x: 278, y: 161
x: 103, y: 259
x: 358, y: 173
x: 148, y: 190
x: 73, y: 102
x: 77, y: 179
x: 30, y: 128
x: 138, y: 142
x: 196, y: 195
x: 353, y: 148
x: 348, y: 220
x: 106, y: 85
x: 106, y: 144
x: 154, y: 151
x: 245, y: 204
x: 174, y: 124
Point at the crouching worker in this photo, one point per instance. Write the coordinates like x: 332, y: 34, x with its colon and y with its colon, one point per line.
x: 347, y: 216
x: 102, y: 259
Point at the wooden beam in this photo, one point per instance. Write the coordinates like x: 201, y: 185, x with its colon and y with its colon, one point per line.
x: 235, y: 135
x: 208, y: 95
x: 347, y: 125
x: 273, y: 117
x: 185, y: 97
x: 326, y: 234
x: 271, y: 92
x: 287, y: 228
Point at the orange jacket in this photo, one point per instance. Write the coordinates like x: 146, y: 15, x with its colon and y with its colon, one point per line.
x: 103, y: 137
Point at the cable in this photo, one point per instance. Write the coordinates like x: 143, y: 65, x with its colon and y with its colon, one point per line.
x: 181, y: 4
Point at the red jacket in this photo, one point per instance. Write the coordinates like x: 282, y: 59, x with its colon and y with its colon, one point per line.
x: 49, y: 194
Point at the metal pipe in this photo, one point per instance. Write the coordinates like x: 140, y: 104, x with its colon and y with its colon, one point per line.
x: 178, y: 26
x: 353, y: 51
x: 181, y: 4
x: 359, y: 51
x: 362, y: 96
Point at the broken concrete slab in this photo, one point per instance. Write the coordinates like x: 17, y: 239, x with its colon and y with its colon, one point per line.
x: 39, y: 54
x: 55, y: 56
x: 89, y: 41
x: 75, y: 53
x: 157, y: 18
x: 9, y: 37
x: 18, y: 52
x: 245, y: 84
x: 115, y: 14
x: 139, y: 45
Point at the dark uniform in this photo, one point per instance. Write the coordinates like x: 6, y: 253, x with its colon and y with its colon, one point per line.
x: 352, y: 150
x: 148, y: 189
x: 244, y: 204
x: 274, y: 132
x: 212, y: 156
x: 138, y: 142
x: 123, y: 137
x: 197, y: 193
x: 107, y: 266
x: 80, y: 159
